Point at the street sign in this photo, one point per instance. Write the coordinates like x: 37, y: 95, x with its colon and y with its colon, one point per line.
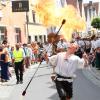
x: 20, y: 6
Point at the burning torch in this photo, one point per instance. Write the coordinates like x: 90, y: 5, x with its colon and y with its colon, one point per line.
x: 24, y: 92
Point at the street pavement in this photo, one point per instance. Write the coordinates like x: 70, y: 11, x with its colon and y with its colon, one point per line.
x: 45, y: 89
x: 93, y: 75
x: 6, y: 88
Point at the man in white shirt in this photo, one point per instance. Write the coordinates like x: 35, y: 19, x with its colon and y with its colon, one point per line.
x: 66, y: 63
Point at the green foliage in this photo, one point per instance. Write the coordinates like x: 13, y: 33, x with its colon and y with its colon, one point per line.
x: 96, y: 23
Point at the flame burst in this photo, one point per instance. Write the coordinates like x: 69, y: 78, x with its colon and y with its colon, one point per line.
x: 51, y: 15
x: 44, y: 9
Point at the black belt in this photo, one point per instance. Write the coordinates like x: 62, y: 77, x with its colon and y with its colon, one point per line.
x: 59, y: 76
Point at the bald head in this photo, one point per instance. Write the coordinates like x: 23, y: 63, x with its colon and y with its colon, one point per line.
x: 17, y: 46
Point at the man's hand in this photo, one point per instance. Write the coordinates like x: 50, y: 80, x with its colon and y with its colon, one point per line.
x: 85, y: 56
x: 86, y: 59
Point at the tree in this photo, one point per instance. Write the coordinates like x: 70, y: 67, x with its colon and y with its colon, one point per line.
x: 96, y: 23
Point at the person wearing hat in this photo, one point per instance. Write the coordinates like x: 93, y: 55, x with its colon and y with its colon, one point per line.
x: 66, y: 63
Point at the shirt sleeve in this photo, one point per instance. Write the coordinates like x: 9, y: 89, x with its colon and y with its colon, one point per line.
x: 23, y: 53
x: 81, y: 63
x: 53, y: 60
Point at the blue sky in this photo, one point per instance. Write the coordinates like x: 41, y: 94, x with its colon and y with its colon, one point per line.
x: 87, y: 1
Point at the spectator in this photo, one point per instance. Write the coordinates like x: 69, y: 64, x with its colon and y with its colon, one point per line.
x: 18, y: 60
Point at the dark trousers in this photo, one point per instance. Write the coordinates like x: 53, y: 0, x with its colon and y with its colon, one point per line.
x: 4, y: 70
x: 64, y: 88
x: 19, y: 70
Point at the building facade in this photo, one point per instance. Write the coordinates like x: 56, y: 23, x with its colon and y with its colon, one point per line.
x: 35, y: 30
x: 12, y: 24
x: 20, y: 26
x: 78, y: 4
x: 92, y: 10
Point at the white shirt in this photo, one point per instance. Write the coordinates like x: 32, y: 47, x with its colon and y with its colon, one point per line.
x: 93, y: 45
x: 48, y: 49
x: 98, y: 43
x: 80, y: 43
x: 66, y: 67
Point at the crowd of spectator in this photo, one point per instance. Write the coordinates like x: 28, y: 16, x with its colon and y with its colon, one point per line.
x: 37, y: 52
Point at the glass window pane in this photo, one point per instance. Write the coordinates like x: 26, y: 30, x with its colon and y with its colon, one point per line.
x: 35, y: 38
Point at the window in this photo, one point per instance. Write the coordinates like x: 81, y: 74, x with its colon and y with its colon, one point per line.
x: 35, y: 38
x: 2, y: 29
x: 44, y: 37
x: 18, y: 35
x: 27, y: 18
x: 33, y: 15
x: 3, y: 33
x: 90, y: 12
x: 40, y: 37
x: 94, y: 12
x: 29, y: 39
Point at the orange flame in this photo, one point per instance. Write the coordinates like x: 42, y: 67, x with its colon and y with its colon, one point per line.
x: 44, y: 9
x: 50, y: 15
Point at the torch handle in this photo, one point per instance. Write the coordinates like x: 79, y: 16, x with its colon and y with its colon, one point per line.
x: 63, y: 22
x: 24, y: 92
